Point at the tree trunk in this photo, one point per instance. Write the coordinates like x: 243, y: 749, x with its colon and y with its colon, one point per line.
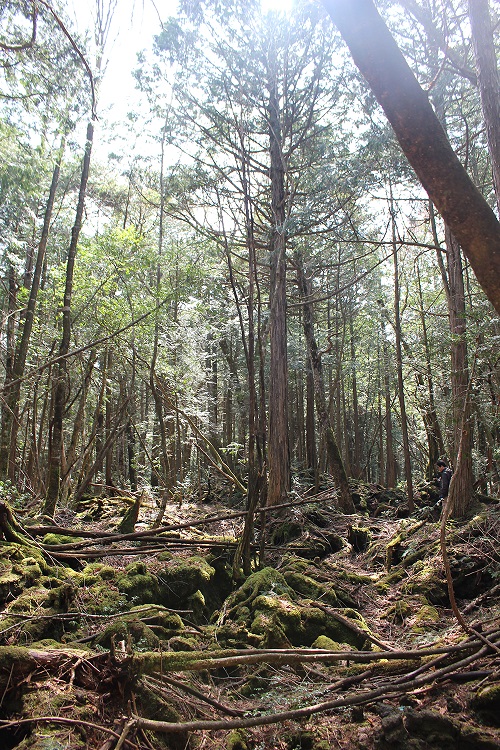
x: 399, y: 361
x: 422, y: 138
x: 356, y: 452
x: 463, y: 486
x: 10, y: 402
x: 61, y: 375
x: 489, y: 82
x: 311, y: 449
x: 390, y: 458
x: 278, y: 446
x: 429, y: 412
x: 13, y: 379
x: 335, y: 463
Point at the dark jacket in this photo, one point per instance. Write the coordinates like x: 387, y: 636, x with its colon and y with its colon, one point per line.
x: 444, y: 482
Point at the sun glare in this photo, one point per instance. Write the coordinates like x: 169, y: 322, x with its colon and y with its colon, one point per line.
x: 280, y: 5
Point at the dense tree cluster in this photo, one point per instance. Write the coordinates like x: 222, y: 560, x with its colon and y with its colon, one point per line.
x: 253, y: 286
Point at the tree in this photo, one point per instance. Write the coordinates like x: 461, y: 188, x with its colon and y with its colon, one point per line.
x: 422, y: 137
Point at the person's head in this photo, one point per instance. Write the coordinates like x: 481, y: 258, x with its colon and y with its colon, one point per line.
x: 441, y: 465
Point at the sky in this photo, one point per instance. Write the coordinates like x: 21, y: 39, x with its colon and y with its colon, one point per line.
x: 135, y: 22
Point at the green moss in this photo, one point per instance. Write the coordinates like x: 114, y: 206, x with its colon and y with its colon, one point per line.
x: 182, y: 578
x: 426, y: 615
x: 428, y: 582
x: 179, y: 643
x: 311, y: 589
x: 265, y: 581
x: 133, y: 632
x: 286, y: 532
x: 236, y: 740
x: 397, y: 612
x: 102, y: 598
x: 393, y: 552
x: 326, y: 644
x: 30, y: 602
x: 487, y: 703
x: 53, y: 539
x: 139, y: 586
x: 359, y: 537
x: 99, y: 570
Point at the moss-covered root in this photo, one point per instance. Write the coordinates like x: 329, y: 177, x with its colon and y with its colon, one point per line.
x: 17, y: 662
x: 10, y: 529
x: 129, y: 520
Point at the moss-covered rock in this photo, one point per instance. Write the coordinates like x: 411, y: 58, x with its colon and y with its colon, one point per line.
x: 426, y: 615
x: 237, y: 740
x: 134, y: 633
x: 430, y: 582
x: 189, y: 582
x: 56, y: 539
x: 309, y: 588
x: 102, y: 598
x: 486, y: 702
x: 268, y: 608
x: 359, y: 537
x: 138, y: 585
x: 286, y: 532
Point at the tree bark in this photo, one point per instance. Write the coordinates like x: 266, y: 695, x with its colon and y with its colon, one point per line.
x: 489, y: 82
x: 422, y: 138
x: 278, y: 446
x: 12, y: 389
x: 399, y: 362
x: 335, y: 463
x: 460, y: 495
x: 61, y: 376
x: 429, y: 412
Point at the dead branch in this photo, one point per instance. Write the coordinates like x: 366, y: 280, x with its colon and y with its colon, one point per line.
x: 360, y: 698
x: 158, y: 685
x: 352, y: 626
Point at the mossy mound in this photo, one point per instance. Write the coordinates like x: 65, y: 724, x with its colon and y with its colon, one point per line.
x: 138, y: 585
x: 133, y: 634
x: 189, y: 583
x: 21, y: 567
x: 429, y: 581
x: 486, y: 702
x: 269, y: 614
x: 55, y: 539
x: 300, y: 575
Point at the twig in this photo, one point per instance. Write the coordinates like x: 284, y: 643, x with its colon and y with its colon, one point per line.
x: 195, y: 693
x: 8, y: 723
x: 125, y: 731
x: 360, y: 698
x: 355, y: 629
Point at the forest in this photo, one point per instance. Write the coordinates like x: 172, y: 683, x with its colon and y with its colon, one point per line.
x: 245, y: 311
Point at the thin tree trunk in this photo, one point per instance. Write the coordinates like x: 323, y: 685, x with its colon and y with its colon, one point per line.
x: 399, y: 362
x: 61, y: 374
x: 429, y: 413
x: 334, y: 458
x: 13, y: 380
x: 311, y: 449
x: 10, y: 404
x: 78, y: 424
x: 278, y: 445
x: 463, y: 485
x: 390, y: 458
x: 356, y: 454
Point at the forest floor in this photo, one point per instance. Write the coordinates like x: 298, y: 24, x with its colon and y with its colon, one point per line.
x: 343, y: 636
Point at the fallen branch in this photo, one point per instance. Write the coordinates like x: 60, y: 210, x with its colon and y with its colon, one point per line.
x: 352, y: 626
x: 357, y: 699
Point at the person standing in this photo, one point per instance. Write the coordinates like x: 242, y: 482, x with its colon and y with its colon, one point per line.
x: 443, y: 479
